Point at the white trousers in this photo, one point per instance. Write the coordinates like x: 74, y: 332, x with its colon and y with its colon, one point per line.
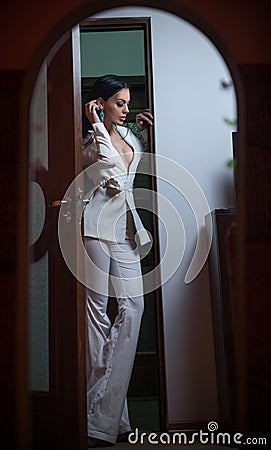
x: 111, y: 347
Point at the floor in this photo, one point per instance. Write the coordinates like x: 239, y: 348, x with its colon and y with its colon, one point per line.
x: 144, y: 417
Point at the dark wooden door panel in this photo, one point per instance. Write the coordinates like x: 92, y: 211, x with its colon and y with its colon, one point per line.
x: 59, y: 414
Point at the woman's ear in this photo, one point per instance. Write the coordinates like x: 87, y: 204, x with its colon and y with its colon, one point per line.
x: 100, y: 102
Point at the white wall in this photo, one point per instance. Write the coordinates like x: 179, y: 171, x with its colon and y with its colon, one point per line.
x: 189, y: 107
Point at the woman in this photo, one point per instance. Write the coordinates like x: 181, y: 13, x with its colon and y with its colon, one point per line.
x: 112, y: 230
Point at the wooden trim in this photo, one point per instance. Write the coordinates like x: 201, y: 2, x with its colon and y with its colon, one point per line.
x: 158, y: 292
x: 19, y: 278
x: 80, y: 289
x: 120, y: 24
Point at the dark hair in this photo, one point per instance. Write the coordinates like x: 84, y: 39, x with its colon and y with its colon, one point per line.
x: 106, y: 86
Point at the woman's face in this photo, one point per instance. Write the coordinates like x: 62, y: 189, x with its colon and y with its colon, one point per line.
x: 116, y: 107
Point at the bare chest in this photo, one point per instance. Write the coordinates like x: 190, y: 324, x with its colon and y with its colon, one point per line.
x: 124, y: 149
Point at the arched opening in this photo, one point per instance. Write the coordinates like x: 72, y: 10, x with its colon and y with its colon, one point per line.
x: 187, y: 16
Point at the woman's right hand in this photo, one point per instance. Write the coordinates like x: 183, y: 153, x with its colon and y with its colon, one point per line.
x: 91, y: 111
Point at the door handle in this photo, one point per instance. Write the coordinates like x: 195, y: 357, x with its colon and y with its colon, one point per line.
x: 54, y: 203
x: 66, y: 201
x: 80, y: 202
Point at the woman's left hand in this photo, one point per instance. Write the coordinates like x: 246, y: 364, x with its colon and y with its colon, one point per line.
x: 144, y: 119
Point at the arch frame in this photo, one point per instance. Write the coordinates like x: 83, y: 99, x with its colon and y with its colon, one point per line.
x: 29, y: 79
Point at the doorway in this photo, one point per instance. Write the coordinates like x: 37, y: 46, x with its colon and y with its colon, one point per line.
x: 123, y: 47
x: 57, y: 305
x: 167, y: 354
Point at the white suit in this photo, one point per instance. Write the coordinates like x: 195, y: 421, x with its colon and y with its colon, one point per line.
x: 109, y: 241
x: 107, y: 163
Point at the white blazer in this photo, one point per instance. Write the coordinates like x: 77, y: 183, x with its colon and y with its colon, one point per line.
x: 105, y: 216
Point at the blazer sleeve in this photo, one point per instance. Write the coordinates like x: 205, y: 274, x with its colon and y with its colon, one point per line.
x: 97, y: 146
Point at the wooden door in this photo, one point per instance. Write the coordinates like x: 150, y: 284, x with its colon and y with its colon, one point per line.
x: 58, y: 384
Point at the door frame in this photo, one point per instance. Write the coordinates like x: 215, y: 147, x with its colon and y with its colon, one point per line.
x: 144, y: 23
